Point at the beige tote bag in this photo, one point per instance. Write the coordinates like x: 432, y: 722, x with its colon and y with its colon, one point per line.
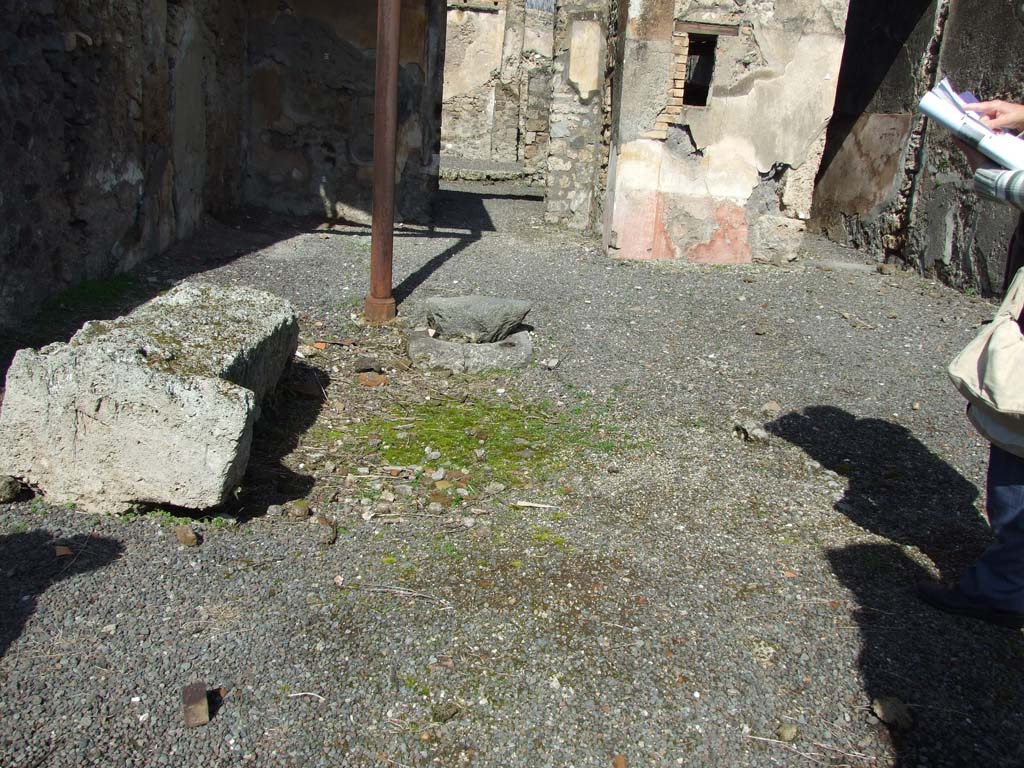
x: 989, y: 372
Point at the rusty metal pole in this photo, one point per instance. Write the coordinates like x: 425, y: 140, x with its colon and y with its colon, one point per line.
x: 380, y: 304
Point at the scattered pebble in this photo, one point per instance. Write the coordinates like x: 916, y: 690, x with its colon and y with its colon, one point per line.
x: 787, y: 732
x: 10, y: 487
x: 186, y: 535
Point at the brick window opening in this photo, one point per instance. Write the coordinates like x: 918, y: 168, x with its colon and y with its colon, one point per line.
x: 700, y: 69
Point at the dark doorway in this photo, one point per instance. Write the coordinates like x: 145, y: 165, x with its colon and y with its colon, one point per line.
x: 700, y: 69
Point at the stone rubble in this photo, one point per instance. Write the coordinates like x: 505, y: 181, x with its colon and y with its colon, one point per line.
x: 186, y: 536
x: 476, y: 319
x: 9, y: 489
x: 515, y: 351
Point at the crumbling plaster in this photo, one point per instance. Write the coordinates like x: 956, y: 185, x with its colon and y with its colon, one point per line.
x: 497, y: 89
x: 770, y: 103
x: 473, y: 56
x: 779, y: 112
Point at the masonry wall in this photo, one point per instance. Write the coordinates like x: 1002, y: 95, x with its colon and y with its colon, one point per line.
x: 873, y: 147
x: 951, y: 232
x: 497, y: 82
x: 577, y: 115
x: 120, y: 125
x: 311, y: 113
x: 702, y: 183
x: 893, y: 184
x: 473, y: 53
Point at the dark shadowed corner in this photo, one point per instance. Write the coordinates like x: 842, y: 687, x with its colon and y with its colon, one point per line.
x: 287, y: 414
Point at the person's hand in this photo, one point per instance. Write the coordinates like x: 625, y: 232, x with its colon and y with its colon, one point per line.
x: 1000, y: 115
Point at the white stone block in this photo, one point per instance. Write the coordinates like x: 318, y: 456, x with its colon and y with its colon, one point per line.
x: 157, y: 406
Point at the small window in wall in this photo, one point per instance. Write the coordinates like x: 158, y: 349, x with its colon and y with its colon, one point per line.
x: 700, y: 69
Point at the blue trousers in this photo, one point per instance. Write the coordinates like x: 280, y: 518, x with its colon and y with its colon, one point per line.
x: 997, y: 579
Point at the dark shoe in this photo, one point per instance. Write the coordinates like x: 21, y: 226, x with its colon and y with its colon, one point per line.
x: 952, y: 600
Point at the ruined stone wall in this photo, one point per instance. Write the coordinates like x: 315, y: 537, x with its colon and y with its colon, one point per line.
x: 473, y: 54
x: 311, y: 115
x: 123, y: 124
x: 120, y: 123
x: 577, y: 113
x: 508, y: 85
x: 873, y: 144
x: 497, y: 87
x: 691, y: 180
x: 950, y: 231
x: 535, y: 86
x: 895, y: 185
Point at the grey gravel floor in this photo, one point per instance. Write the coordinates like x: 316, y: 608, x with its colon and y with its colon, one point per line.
x: 706, y: 594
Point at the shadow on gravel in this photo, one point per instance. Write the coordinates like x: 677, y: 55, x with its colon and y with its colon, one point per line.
x: 290, y: 412
x: 455, y: 214
x: 30, y: 566
x: 897, y: 487
x: 961, y: 679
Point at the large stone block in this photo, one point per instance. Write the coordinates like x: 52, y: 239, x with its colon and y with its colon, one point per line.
x: 157, y: 406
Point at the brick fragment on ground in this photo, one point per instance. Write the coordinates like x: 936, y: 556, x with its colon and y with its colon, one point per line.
x: 196, y: 705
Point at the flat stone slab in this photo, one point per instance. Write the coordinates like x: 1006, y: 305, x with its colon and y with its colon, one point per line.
x: 477, y: 319
x: 157, y: 406
x: 516, y: 351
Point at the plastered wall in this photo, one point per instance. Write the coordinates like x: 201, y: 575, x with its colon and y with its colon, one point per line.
x: 698, y: 182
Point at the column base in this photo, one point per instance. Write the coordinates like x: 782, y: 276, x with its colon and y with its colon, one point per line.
x: 380, y: 311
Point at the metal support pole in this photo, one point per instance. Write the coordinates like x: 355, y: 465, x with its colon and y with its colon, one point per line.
x: 380, y: 304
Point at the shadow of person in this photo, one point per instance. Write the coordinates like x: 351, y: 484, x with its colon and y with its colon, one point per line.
x: 897, y: 487
x: 960, y: 679
x: 29, y: 565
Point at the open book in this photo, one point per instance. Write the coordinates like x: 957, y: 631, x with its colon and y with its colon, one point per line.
x: 948, y: 108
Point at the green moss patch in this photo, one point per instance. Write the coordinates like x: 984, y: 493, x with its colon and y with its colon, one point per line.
x: 504, y: 441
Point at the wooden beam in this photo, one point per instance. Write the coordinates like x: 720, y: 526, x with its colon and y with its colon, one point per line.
x: 706, y: 28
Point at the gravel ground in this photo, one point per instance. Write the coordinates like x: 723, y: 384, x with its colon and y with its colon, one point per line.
x: 683, y: 597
